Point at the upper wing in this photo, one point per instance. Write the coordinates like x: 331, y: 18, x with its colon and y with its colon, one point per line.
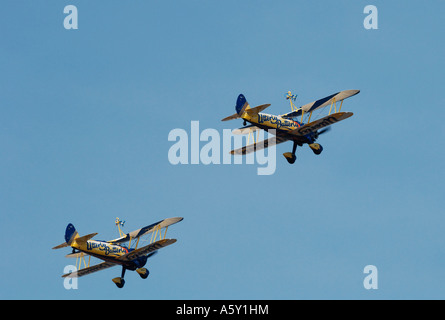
x: 339, y: 96
x: 145, y: 230
x: 259, y: 145
x: 321, y: 123
x: 85, y: 271
x: 147, y: 249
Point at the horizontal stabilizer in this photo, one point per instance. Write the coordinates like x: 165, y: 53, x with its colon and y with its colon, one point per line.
x: 256, y: 110
x: 232, y: 117
x: 85, y: 238
x: 249, y: 111
x: 60, y: 246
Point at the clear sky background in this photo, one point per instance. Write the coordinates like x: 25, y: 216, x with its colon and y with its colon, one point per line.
x: 85, y: 116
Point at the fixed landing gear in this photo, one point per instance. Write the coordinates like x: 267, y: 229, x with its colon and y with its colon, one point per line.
x: 316, y: 148
x: 143, y: 272
x: 290, y: 156
x: 119, y: 281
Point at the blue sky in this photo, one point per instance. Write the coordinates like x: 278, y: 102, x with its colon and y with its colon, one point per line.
x: 85, y: 116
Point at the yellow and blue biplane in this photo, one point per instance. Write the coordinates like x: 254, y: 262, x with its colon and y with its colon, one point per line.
x: 113, y: 252
x: 295, y: 126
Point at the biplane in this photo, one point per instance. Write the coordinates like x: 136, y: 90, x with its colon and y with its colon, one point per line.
x: 296, y: 126
x: 113, y: 252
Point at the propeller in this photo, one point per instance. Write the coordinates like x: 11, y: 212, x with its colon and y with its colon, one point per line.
x: 322, y: 131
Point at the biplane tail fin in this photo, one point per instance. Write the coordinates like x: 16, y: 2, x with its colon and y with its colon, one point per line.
x: 241, y: 106
x: 70, y: 234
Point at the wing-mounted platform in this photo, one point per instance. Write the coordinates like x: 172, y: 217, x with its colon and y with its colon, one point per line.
x: 331, y: 100
x: 292, y: 97
x: 154, y: 229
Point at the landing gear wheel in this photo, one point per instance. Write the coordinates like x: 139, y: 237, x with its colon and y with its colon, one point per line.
x: 292, y: 160
x: 143, y: 273
x: 119, y: 282
x: 316, y: 148
x: 290, y: 157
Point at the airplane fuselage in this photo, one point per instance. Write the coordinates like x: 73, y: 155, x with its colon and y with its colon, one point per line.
x: 109, y: 252
x: 281, y: 125
x: 105, y: 249
x: 270, y: 121
x: 100, y: 249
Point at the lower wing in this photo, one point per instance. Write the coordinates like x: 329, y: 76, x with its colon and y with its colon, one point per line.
x: 85, y: 271
x: 259, y: 145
